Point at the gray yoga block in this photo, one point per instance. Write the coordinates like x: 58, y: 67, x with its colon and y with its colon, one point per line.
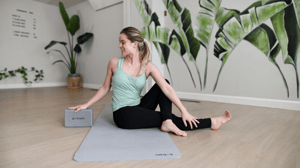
x: 83, y: 118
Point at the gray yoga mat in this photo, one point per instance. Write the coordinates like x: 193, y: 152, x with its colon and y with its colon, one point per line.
x: 107, y: 142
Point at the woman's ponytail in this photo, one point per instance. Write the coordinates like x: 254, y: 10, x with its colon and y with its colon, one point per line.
x: 145, y: 54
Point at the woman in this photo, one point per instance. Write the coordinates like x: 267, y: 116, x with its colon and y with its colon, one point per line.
x: 127, y: 75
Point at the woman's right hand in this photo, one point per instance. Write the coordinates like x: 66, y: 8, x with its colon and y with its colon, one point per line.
x: 79, y: 107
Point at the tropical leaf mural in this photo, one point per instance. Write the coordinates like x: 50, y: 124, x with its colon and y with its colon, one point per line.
x: 157, y: 35
x: 182, y: 19
x: 263, y: 37
x: 233, y: 27
x: 150, y: 33
x: 239, y: 26
x: 161, y: 37
x: 288, y: 34
x: 205, y: 24
x: 176, y: 43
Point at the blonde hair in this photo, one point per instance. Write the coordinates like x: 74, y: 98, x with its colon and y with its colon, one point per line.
x: 133, y: 34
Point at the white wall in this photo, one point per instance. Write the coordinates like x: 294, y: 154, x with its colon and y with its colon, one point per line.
x: 16, y: 52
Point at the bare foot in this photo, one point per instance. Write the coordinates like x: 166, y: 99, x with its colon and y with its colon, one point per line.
x: 169, y: 126
x: 217, y: 122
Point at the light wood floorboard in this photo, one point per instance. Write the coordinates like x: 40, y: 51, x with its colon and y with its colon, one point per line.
x: 32, y: 134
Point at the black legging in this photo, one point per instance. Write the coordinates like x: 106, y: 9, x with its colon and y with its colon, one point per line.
x: 145, y: 116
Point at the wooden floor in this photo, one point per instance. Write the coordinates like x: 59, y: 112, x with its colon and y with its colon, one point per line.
x: 32, y: 134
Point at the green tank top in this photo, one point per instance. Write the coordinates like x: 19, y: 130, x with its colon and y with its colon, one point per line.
x: 126, y: 89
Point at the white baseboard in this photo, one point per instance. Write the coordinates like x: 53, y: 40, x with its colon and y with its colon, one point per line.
x: 40, y: 85
x: 34, y: 85
x: 270, y: 103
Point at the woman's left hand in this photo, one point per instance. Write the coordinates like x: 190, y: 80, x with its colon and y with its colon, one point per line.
x: 191, y: 119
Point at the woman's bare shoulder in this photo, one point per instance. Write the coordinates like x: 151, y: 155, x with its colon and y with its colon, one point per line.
x: 151, y: 66
x: 113, y: 62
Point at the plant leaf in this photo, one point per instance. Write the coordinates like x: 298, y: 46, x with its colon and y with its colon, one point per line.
x: 297, y: 10
x: 74, y: 24
x: 176, y: 43
x: 52, y: 43
x: 182, y: 19
x: 155, y: 33
x: 263, y: 38
x: 205, y: 22
x: 163, y: 50
x: 84, y: 38
x: 64, y: 14
x: 237, y: 28
x: 224, y: 15
x: 77, y: 49
x: 159, y: 40
x: 147, y: 8
x: 144, y: 11
x: 288, y: 34
x: 296, y: 5
x: 62, y: 62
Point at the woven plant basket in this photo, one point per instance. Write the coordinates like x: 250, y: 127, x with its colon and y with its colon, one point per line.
x: 74, y: 81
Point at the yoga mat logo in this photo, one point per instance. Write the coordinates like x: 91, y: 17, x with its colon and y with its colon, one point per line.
x: 164, y: 154
x: 78, y: 118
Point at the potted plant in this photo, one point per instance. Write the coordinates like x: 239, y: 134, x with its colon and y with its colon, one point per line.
x: 72, y: 25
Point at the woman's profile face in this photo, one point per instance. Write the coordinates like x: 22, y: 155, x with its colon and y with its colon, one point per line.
x: 126, y: 46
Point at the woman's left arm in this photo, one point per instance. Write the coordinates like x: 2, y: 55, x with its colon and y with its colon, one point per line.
x: 172, y: 95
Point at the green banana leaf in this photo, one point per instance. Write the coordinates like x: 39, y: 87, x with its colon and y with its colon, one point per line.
x: 77, y: 49
x: 205, y: 24
x: 296, y: 5
x: 234, y: 30
x: 224, y: 15
x: 74, y: 24
x: 154, y: 32
x: 205, y: 20
x: 162, y: 35
x: 144, y: 10
x: 60, y: 61
x: 288, y: 34
x: 61, y: 54
x: 182, y: 19
x: 297, y: 10
x: 84, y: 38
x: 163, y: 50
x: 157, y: 35
x: 176, y: 43
x: 52, y: 43
x: 64, y: 14
x: 263, y: 37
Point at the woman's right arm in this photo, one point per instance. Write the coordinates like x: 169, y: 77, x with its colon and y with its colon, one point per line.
x: 102, y: 91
